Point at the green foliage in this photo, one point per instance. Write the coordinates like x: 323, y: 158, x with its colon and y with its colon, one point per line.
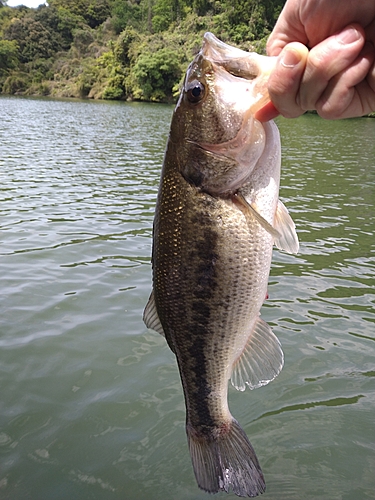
x: 94, y: 12
x: 156, y: 74
x: 86, y: 79
x: 123, y: 45
x: 114, y: 76
x: 16, y: 83
x: 203, y: 7
x: 162, y: 15
x: 97, y: 12
x: 8, y: 55
x: 6, y: 14
x: 126, y: 13
x: 33, y: 39
x: 43, y: 32
x: 68, y: 23
x: 40, y: 69
x: 119, y: 49
x: 252, y: 19
x: 165, y: 13
x: 113, y: 90
x: 82, y: 39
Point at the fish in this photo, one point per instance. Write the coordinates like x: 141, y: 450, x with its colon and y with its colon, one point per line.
x: 217, y: 217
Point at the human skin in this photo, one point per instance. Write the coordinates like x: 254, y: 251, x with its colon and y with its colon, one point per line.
x: 326, y: 53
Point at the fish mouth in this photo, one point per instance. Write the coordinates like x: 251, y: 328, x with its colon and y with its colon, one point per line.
x: 233, y: 59
x: 239, y: 63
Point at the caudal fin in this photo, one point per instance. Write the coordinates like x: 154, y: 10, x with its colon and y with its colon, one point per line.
x: 225, y: 460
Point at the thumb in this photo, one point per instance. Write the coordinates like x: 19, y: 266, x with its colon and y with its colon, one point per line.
x: 285, y: 79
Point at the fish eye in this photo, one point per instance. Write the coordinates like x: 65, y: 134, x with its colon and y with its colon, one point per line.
x: 195, y: 92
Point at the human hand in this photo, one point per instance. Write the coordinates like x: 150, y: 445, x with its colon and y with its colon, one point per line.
x: 337, y: 76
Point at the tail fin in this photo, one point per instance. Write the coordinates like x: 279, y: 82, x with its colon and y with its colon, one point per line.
x: 225, y: 460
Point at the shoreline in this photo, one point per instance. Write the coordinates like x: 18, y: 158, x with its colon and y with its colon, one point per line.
x: 127, y: 100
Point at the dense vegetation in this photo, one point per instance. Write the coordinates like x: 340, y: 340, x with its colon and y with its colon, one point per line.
x: 119, y: 49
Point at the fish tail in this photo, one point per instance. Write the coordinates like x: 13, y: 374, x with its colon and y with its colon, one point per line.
x: 223, y: 459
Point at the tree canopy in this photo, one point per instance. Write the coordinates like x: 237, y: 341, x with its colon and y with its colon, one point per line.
x: 119, y: 49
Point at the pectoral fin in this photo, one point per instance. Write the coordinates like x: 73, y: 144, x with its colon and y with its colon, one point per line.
x: 261, y: 361
x: 251, y: 213
x: 151, y: 317
x: 288, y: 239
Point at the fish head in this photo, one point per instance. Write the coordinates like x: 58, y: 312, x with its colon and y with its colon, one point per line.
x: 219, y: 141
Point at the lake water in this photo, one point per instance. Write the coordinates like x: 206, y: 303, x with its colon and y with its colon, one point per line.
x: 91, y: 405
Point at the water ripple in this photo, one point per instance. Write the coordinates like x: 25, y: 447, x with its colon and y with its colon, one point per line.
x: 91, y: 404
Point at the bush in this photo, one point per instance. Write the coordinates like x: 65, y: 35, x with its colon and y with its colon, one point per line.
x: 157, y: 74
x: 123, y: 45
x: 39, y: 89
x: 112, y: 92
x: 8, y: 55
x: 126, y: 14
x: 82, y: 39
x: 40, y: 69
x: 16, y: 83
x: 33, y: 39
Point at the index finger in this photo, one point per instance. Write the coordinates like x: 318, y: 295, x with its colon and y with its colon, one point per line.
x: 328, y: 59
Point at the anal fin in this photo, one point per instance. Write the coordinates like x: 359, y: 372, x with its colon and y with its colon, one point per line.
x: 261, y: 361
x: 151, y: 316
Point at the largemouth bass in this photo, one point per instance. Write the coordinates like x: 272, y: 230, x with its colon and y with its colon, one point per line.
x: 217, y: 218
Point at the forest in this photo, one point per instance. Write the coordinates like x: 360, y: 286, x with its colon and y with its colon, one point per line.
x: 119, y: 49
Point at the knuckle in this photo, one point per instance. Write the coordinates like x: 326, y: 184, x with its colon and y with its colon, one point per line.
x: 317, y: 69
x: 329, y: 111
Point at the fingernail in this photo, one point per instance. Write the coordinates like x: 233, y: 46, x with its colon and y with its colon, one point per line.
x: 290, y: 58
x: 349, y: 35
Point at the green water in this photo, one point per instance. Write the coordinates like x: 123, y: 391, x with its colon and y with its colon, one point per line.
x: 91, y: 405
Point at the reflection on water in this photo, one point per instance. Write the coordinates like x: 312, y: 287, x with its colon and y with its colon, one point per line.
x: 91, y: 404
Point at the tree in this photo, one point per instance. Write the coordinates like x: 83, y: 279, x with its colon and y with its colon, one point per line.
x: 251, y: 19
x: 8, y: 55
x: 166, y: 12
x: 126, y: 13
x: 94, y: 12
x: 123, y: 45
x: 157, y: 73
x: 202, y: 7
x: 33, y: 39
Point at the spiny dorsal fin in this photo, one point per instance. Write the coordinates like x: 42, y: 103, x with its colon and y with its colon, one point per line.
x: 261, y: 361
x: 151, y: 317
x: 288, y: 240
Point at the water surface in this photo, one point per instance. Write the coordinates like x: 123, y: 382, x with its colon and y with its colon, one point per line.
x: 91, y: 405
